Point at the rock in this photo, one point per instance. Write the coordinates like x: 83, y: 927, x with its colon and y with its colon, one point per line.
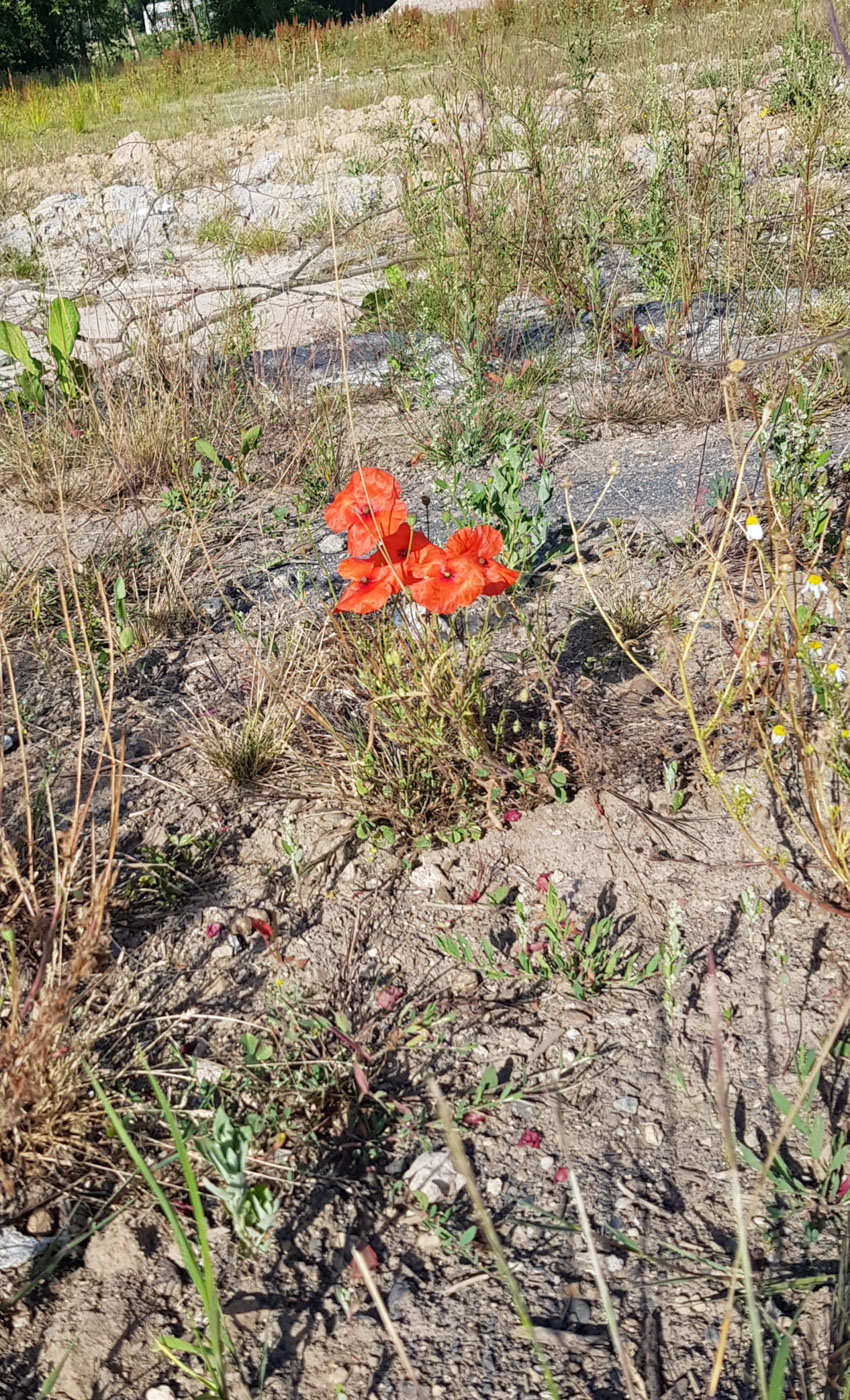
x: 41, y: 1222
x: 580, y: 1311
x: 331, y: 544
x: 397, y: 1297
x: 428, y: 877
x: 207, y: 1071
x: 160, y: 1392
x: 17, y: 1249
x: 493, y: 1187
x: 653, y: 1134
x: 546, y: 1165
x: 464, y: 983
x: 628, y: 1104
x: 222, y: 951
x: 16, y: 236
x: 433, y: 1175
x: 614, y: 1264
x: 134, y: 159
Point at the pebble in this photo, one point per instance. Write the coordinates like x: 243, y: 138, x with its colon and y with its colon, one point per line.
x: 433, y: 1175
x: 331, y: 544
x: 493, y: 1187
x: 222, y: 951
x: 547, y: 1165
x: 207, y: 1071
x: 397, y: 1297
x: 160, y: 1392
x: 16, y: 1249
x: 9, y: 742
x: 653, y: 1134
x: 40, y: 1223
x: 580, y: 1310
x: 628, y: 1104
x: 464, y: 983
x: 212, y: 607
x: 614, y: 1264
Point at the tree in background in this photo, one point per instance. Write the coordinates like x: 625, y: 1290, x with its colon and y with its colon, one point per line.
x: 49, y: 33
x: 261, y: 16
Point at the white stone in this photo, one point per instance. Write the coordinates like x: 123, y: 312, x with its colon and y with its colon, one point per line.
x: 433, y: 1175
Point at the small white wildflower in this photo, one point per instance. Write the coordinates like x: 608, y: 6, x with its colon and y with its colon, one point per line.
x: 815, y: 646
x: 836, y: 673
x: 778, y: 735
x: 753, y: 528
x: 815, y: 586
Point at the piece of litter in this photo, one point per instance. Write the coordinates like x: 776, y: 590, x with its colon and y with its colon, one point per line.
x: 17, y: 1249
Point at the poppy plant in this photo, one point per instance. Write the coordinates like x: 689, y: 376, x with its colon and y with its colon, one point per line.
x: 443, y: 585
x: 372, y: 584
x: 370, y: 508
x: 483, y: 544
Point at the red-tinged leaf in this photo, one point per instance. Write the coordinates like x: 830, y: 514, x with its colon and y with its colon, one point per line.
x: 494, y: 378
x: 843, y: 1188
x: 511, y: 815
x: 212, y: 930
x: 543, y: 881
x: 262, y: 928
x: 474, y: 897
x: 388, y: 998
x: 360, y: 1078
x: 529, y: 1138
x: 370, y: 1260
x: 561, y: 1175
x: 474, y: 1118
x: 536, y: 947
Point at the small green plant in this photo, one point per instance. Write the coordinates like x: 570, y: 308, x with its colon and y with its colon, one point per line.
x: 798, y: 468
x: 168, y: 872
x: 499, y: 500
x: 249, y: 750
x: 672, y: 960
x: 673, y: 785
x: 213, y: 478
x: 126, y: 634
x: 804, y: 84
x: 210, y: 1346
x: 63, y: 328
x: 813, y: 1179
x: 252, y: 1209
x: 751, y: 906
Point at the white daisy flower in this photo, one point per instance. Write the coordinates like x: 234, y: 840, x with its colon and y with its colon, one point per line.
x: 836, y: 673
x: 815, y: 586
x: 815, y: 646
x: 778, y: 735
x: 753, y: 528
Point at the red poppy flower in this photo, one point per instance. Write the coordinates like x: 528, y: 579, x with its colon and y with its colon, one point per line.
x: 406, y: 549
x: 443, y: 585
x: 372, y: 583
x: 483, y: 544
x: 369, y: 508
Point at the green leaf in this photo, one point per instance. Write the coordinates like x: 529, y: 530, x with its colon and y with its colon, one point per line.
x: 776, y: 1383
x: 126, y: 638
x: 465, y: 1240
x: 250, y: 438
x: 63, y: 327
x: 12, y: 343
x: 207, y: 450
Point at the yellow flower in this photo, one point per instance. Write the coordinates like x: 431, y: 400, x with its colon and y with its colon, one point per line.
x: 765, y: 112
x: 778, y: 735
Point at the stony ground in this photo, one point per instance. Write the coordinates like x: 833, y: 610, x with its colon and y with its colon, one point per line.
x: 357, y: 992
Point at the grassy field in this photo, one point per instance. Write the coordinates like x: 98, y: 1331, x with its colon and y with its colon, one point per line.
x: 422, y: 961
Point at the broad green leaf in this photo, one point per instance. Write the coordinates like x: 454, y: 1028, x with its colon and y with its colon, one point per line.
x: 207, y: 450
x: 63, y: 327
x: 12, y: 343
